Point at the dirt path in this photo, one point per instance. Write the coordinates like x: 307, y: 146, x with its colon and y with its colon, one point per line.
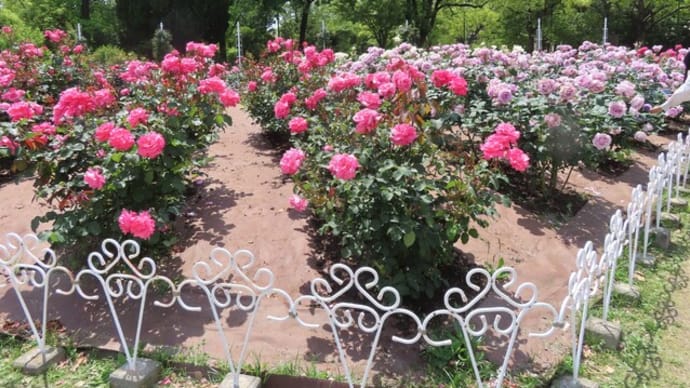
x: 243, y: 204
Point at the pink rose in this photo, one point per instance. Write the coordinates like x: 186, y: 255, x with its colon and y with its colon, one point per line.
x: 617, y: 109
x: 6, y: 142
x: 44, y: 128
x: 121, y: 139
x: 298, y: 125
x: 441, y: 78
x: 212, y: 85
x: 103, y: 131
x: 94, y: 178
x: 640, y: 136
x: 291, y: 161
x: 125, y: 220
x: 343, y: 166
x: 601, y: 141
x: 402, y: 81
x: 150, y: 145
x: 458, y: 86
x: 13, y: 95
x: 137, y: 116
x: 24, y: 110
x: 281, y: 109
x: 143, y: 226
x: 518, y: 159
x: 251, y: 86
x: 139, y: 225
x: 552, y: 120
x: 298, y: 203
x: 387, y: 90
x: 367, y: 120
x: 369, y: 100
x: 507, y: 133
x: 492, y: 149
x: 403, y: 134
x: 229, y: 98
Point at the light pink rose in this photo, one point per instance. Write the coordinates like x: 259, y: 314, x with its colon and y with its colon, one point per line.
x: 298, y: 203
x: 291, y: 161
x: 94, y: 178
x: 150, y: 145
x: 403, y: 134
x: 343, y: 166
x: 601, y: 141
x: 552, y: 120
x: 617, y: 109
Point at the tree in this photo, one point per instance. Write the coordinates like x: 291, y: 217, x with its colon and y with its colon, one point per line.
x: 423, y: 13
x: 379, y: 16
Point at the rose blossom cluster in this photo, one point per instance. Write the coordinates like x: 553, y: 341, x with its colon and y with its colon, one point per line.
x: 502, y: 144
x: 140, y: 225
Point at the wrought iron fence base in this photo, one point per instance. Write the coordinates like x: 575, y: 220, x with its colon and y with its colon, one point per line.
x: 33, y: 363
x: 245, y: 381
x: 646, y: 260
x: 627, y: 292
x: 605, y: 332
x: 661, y: 238
x: 571, y: 382
x: 144, y: 374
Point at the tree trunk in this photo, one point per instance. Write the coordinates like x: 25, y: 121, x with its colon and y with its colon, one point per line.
x: 86, y: 9
x: 304, y: 22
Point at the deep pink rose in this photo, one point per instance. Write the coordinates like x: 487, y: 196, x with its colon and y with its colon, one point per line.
x: 24, y: 110
x: 441, y: 78
x: 121, y: 139
x: 298, y: 125
x: 402, y: 81
x: 212, y: 85
x: 369, y: 100
x: 143, y: 225
x: 458, y: 86
x: 281, y: 109
x: 367, y: 120
x: 298, y: 203
x: 150, y: 145
x: 229, y: 98
x: 403, y: 134
x: 103, y: 131
x: 251, y: 86
x: 518, y: 159
x: 125, y: 220
x: 291, y: 161
x: 94, y: 178
x: 492, y: 149
x: 343, y: 166
x: 137, y: 116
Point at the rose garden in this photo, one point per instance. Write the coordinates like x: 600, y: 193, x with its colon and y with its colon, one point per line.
x: 401, y: 217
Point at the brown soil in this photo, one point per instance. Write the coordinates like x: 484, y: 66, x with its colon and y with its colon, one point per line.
x: 243, y: 204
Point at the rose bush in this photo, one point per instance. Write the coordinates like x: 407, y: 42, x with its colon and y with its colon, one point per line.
x: 114, y: 153
x: 379, y: 159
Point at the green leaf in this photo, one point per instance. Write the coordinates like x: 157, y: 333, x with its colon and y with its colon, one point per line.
x: 409, y: 239
x: 148, y: 177
x: 473, y: 233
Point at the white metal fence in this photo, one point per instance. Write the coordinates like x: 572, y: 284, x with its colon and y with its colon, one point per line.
x: 119, y: 272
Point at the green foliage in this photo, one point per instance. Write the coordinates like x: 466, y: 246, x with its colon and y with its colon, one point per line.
x: 161, y: 44
x: 110, y: 55
x: 21, y: 31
